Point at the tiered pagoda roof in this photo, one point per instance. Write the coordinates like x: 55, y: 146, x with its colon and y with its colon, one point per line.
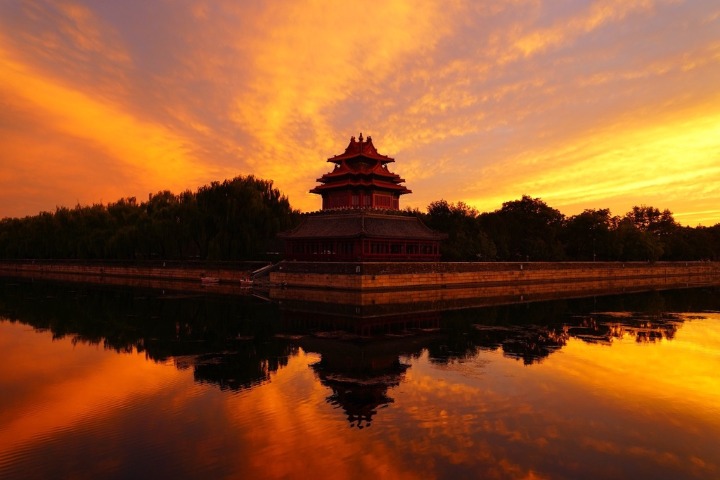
x: 361, y: 167
x: 361, y: 218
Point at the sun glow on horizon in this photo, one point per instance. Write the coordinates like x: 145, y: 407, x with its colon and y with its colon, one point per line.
x: 606, y: 105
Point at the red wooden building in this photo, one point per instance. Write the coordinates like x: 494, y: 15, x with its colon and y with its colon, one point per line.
x: 360, y: 218
x: 360, y: 179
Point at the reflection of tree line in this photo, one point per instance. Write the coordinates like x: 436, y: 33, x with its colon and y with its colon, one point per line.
x: 604, y: 327
x: 228, y: 341
x: 236, y: 342
x: 532, y: 343
x: 531, y: 332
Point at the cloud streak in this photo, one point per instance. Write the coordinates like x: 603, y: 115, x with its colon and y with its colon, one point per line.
x: 586, y: 105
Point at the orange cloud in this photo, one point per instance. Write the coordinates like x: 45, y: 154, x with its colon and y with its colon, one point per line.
x: 313, y: 59
x: 477, y: 102
x: 146, y: 154
x: 668, y: 161
x: 567, y: 30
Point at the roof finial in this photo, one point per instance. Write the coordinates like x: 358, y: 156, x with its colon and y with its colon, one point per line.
x: 360, y: 137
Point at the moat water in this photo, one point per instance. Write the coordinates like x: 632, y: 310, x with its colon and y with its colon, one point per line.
x: 112, y: 382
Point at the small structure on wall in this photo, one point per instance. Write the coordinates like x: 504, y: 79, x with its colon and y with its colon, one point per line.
x: 361, y: 218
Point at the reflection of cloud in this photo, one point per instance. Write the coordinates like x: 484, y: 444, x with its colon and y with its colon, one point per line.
x: 524, y: 421
x: 558, y: 419
x: 293, y: 405
x: 620, y: 361
x: 57, y: 392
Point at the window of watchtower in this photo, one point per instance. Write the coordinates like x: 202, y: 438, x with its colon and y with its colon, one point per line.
x: 367, y: 200
x: 335, y: 200
x: 382, y: 201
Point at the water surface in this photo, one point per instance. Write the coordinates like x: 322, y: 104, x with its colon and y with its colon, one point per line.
x: 121, y: 383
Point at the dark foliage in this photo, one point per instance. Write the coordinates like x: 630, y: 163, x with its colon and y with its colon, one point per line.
x: 529, y: 230
x: 233, y: 220
x: 466, y: 239
x: 239, y: 219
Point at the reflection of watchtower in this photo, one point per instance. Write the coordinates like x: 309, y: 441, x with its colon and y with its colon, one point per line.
x: 361, y: 355
x: 360, y: 217
x: 310, y: 317
x: 359, y: 375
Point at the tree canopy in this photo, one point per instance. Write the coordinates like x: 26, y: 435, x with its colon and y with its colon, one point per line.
x: 529, y: 230
x: 239, y: 219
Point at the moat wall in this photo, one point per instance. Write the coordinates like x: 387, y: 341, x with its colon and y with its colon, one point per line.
x: 384, y: 278
x: 397, y: 276
x: 171, y: 275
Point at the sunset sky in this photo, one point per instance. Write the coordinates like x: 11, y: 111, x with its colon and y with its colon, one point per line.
x: 585, y: 104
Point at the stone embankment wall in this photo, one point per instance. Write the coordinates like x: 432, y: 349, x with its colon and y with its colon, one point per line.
x: 191, y: 272
x: 394, y: 276
x: 474, y: 278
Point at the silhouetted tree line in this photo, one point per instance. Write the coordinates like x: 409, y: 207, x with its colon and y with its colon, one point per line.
x: 530, y: 230
x: 239, y: 219
x: 233, y: 220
